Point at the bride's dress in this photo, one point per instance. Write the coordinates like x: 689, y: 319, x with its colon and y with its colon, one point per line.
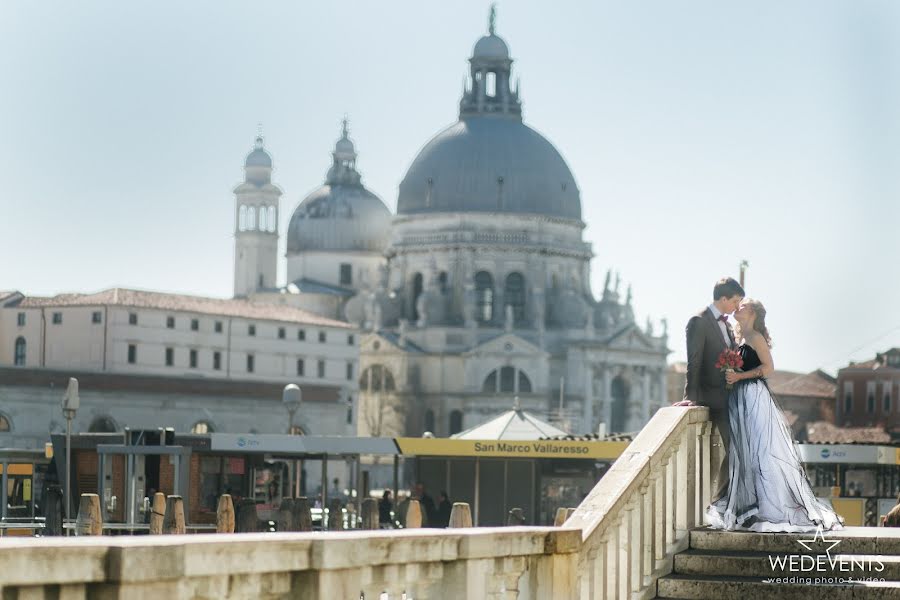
x: 768, y: 488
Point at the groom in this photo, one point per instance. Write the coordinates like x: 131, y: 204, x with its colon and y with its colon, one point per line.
x: 708, y: 334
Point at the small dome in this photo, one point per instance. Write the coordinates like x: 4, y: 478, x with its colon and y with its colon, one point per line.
x: 491, y: 47
x: 342, y: 214
x: 259, y: 157
x: 339, y: 217
x: 344, y: 146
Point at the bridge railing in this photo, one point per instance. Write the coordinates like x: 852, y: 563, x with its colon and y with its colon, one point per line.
x: 639, y: 514
x: 616, y: 543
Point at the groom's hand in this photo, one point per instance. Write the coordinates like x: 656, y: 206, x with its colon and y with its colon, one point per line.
x: 685, y: 403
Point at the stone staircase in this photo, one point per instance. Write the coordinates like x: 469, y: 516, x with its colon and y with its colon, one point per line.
x: 721, y: 565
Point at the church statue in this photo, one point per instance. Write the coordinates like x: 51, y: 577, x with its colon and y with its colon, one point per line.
x: 538, y: 308
x: 376, y: 318
x: 422, y: 309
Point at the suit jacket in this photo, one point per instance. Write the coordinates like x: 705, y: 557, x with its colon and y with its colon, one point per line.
x: 704, y: 383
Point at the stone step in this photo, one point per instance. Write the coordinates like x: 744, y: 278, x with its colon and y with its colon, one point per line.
x: 759, y: 564
x: 853, y: 540
x: 698, y: 587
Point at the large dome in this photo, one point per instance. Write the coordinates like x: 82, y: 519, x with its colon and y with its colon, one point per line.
x: 339, y: 217
x: 489, y: 164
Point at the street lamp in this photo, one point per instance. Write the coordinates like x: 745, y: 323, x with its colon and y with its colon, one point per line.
x: 292, y: 397
x: 70, y: 403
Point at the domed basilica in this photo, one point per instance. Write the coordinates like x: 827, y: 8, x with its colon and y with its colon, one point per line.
x: 476, y: 292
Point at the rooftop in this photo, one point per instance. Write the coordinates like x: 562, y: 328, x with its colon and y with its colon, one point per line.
x: 225, y: 307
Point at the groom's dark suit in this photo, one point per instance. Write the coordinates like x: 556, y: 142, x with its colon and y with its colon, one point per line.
x: 705, y: 384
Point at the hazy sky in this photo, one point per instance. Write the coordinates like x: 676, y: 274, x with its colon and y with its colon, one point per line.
x: 700, y: 133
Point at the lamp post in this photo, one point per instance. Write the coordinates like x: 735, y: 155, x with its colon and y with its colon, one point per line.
x: 70, y: 403
x: 292, y: 397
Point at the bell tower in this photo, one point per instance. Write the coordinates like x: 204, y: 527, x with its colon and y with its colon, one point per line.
x: 256, y: 225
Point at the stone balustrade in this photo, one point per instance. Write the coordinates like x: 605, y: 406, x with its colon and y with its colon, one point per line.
x: 421, y: 564
x: 640, y: 513
x: 614, y: 545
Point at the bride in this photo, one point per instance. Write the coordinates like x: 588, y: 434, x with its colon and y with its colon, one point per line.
x: 768, y: 488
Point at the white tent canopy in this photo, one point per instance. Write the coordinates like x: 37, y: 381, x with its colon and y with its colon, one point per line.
x: 514, y: 424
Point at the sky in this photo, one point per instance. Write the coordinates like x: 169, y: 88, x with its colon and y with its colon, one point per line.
x: 700, y: 133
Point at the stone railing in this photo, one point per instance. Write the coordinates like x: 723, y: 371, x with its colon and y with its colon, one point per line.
x: 640, y: 513
x: 615, y: 545
x: 411, y: 564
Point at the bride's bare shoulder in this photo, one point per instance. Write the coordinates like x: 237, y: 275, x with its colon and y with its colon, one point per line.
x: 755, y: 339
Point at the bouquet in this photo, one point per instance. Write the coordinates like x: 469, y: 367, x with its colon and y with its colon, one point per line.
x: 729, y: 360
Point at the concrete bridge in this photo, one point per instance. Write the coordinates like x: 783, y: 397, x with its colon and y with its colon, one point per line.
x: 636, y: 535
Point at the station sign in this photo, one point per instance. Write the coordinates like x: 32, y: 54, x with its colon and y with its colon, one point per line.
x: 511, y: 448
x: 841, y: 454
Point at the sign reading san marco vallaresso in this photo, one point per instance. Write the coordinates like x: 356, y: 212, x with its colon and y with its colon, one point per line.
x: 511, y: 449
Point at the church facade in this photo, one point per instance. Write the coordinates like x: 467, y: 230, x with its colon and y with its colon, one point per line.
x: 478, y: 289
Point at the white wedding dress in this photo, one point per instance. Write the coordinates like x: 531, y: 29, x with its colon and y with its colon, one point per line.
x: 768, y: 488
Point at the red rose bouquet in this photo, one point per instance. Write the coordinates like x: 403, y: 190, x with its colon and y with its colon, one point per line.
x: 729, y: 360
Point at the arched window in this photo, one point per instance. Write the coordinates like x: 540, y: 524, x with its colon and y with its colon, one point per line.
x: 456, y: 421
x: 19, y: 359
x: 619, y: 391
x: 429, y: 420
x: 251, y: 218
x: 5, y: 423
x: 490, y: 383
x: 416, y: 292
x: 491, y: 84
x: 524, y: 383
x: 242, y: 218
x: 507, y: 379
x: 376, y: 379
x: 203, y: 427
x: 484, y: 297
x: 273, y: 219
x: 104, y: 424
x: 514, y: 295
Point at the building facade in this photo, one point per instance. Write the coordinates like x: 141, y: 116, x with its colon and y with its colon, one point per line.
x: 148, y: 341
x: 867, y: 393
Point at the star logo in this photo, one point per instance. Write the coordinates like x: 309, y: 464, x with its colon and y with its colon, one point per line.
x: 819, y: 538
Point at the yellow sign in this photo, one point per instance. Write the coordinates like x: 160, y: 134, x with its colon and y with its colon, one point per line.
x: 511, y: 448
x: 852, y: 509
x: 897, y: 456
x: 19, y: 469
x: 26, y: 490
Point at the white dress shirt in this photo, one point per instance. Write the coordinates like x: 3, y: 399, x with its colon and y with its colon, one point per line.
x: 722, y: 327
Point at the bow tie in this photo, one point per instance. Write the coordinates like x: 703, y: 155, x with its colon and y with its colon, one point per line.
x: 723, y: 318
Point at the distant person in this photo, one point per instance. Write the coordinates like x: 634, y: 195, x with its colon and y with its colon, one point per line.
x: 892, y: 519
x: 444, y: 509
x: 426, y: 503
x: 385, y: 507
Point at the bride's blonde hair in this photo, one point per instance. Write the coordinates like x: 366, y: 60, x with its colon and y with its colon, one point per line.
x: 760, y: 323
